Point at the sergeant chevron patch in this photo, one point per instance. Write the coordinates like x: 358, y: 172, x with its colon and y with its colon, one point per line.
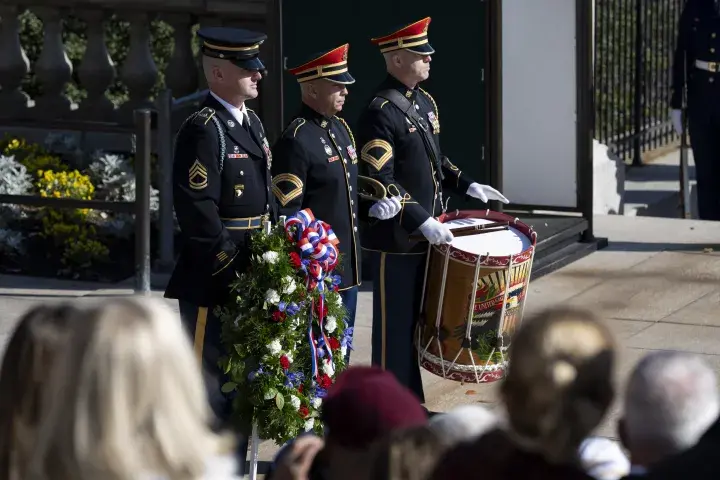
x: 377, y: 153
x: 281, y: 187
x: 197, y: 176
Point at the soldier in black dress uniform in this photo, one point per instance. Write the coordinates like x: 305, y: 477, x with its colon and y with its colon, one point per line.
x: 221, y: 188
x: 696, y: 65
x: 398, y: 135
x: 315, y: 163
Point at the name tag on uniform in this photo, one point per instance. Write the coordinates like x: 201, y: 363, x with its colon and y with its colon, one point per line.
x: 334, y: 158
x: 353, y: 154
x: 237, y: 155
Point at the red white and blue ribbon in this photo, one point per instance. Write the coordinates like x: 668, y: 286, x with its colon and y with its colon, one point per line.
x: 319, y: 255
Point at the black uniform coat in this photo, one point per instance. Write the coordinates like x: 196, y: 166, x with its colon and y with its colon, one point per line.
x: 206, y: 193
x: 698, y: 39
x: 393, y: 152
x: 315, y: 167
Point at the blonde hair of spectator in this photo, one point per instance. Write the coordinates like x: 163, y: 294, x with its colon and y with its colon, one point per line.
x: 559, y: 383
x: 130, y: 400
x: 407, y: 454
x: 671, y: 399
x: 463, y: 423
x: 39, y: 336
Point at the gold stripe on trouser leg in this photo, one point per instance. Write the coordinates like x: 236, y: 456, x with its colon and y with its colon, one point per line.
x: 382, y: 309
x: 200, y: 325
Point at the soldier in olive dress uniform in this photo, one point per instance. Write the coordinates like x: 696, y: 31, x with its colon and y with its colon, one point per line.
x: 315, y: 163
x: 398, y: 136
x: 221, y: 190
x: 696, y: 67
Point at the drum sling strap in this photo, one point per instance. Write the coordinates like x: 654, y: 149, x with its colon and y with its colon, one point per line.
x: 407, y: 107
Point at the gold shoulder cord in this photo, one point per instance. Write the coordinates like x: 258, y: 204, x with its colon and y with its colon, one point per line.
x: 347, y: 127
x: 435, y: 107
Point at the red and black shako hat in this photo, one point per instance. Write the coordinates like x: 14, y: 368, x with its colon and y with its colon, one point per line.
x: 413, y: 37
x: 237, y: 45
x: 331, y: 65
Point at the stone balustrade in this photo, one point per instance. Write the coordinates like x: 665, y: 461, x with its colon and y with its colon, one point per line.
x: 97, y: 71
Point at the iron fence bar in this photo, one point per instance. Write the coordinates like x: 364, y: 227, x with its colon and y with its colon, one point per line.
x: 67, y: 124
x: 143, y: 121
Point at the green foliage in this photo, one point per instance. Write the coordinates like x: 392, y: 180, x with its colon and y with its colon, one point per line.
x: 31, y: 155
x: 117, y: 41
x: 265, y: 329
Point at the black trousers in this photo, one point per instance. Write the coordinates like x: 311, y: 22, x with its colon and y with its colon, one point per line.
x: 204, y: 330
x: 397, y: 290
x: 704, y: 127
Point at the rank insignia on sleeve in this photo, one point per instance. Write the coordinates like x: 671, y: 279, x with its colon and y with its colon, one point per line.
x: 377, y: 153
x: 287, y: 187
x: 197, y: 176
x: 353, y: 154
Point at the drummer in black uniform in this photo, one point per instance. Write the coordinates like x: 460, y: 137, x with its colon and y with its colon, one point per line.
x: 398, y: 135
x: 696, y: 64
x: 221, y: 188
x: 315, y: 163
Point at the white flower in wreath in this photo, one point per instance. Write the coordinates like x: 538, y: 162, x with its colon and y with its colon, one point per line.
x: 295, y: 402
x: 270, y: 257
x: 330, y: 324
x: 338, y: 300
x: 328, y: 367
x: 316, y: 402
x: 289, y: 356
x: 274, y: 347
x: 343, y: 351
x: 289, y: 285
x: 309, y: 424
x: 272, y: 297
x: 295, y: 323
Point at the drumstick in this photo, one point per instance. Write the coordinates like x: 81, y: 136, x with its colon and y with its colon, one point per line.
x: 461, y: 232
x: 475, y: 228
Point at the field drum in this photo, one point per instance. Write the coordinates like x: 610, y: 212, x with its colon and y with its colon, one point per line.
x: 473, y: 297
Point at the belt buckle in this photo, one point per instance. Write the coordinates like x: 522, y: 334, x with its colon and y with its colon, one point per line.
x: 713, y: 67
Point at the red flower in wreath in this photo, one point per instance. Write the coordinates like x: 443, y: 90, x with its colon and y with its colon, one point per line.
x: 284, y: 362
x: 325, y: 381
x: 336, y: 288
x: 278, y: 316
x: 301, y: 388
x: 295, y: 260
x: 304, y: 411
x: 334, y: 343
x: 318, y: 312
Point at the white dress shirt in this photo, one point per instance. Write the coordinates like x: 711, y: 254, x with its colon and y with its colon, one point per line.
x: 240, y: 114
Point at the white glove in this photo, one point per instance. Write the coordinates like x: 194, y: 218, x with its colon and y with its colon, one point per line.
x: 386, y: 208
x: 676, y: 117
x: 485, y: 193
x: 436, y: 232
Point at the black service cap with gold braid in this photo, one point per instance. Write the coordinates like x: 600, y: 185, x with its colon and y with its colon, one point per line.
x: 237, y: 45
x: 331, y: 65
x: 413, y: 37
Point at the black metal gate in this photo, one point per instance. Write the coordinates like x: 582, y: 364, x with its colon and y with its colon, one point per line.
x: 634, y: 42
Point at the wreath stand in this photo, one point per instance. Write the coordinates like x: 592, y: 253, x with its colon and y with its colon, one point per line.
x: 254, y: 445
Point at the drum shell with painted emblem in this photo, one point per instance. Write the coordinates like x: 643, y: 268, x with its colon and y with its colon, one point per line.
x: 468, y: 320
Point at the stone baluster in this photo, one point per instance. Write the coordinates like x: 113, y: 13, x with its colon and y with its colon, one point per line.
x: 14, y: 64
x: 181, y: 75
x: 96, y: 70
x: 53, y: 69
x: 139, y: 72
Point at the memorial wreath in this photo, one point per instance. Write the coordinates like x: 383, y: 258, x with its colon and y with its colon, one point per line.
x: 284, y: 330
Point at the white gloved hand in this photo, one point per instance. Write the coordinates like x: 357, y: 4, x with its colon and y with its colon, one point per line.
x: 485, y: 193
x: 676, y: 117
x: 436, y: 232
x: 386, y: 208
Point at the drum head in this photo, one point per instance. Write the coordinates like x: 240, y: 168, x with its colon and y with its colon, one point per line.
x: 500, y: 243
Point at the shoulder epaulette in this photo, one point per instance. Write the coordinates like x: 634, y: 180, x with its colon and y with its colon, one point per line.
x: 432, y: 100
x: 347, y: 127
x: 294, y: 126
x: 378, y: 103
x: 204, y: 116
